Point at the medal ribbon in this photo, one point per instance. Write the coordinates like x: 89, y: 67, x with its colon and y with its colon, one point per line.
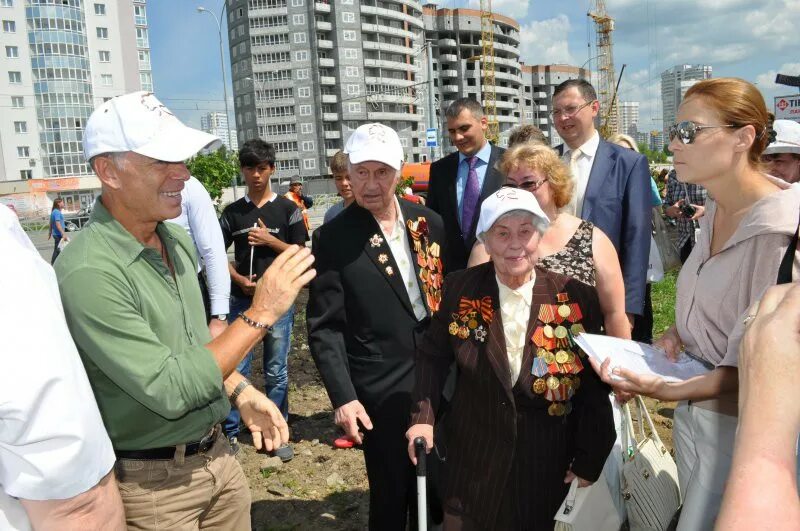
x: 482, y: 306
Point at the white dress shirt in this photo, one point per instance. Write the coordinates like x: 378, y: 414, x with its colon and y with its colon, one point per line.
x: 199, y: 218
x: 584, y: 167
x: 401, y: 251
x: 515, y: 310
x: 52, y: 441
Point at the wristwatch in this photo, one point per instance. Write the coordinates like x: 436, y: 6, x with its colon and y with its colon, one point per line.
x: 221, y: 317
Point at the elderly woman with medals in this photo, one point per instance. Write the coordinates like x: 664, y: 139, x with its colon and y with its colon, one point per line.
x: 528, y: 415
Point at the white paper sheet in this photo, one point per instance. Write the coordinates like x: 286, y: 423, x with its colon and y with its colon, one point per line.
x: 639, y: 357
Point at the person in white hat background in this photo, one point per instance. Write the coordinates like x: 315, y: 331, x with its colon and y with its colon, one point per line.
x: 528, y: 416
x: 133, y: 305
x: 379, y: 278
x: 782, y: 155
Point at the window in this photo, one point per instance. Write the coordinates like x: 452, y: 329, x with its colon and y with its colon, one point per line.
x: 17, y: 102
x: 142, y: 41
x: 307, y: 129
x: 354, y: 107
x: 15, y: 77
x: 349, y: 35
x: 6, y: 3
x: 285, y: 147
x: 23, y: 152
x: 106, y: 80
x: 308, y: 145
x: 351, y: 71
x: 350, y: 53
x: 299, y: 20
x: 139, y: 15
x: 268, y: 22
x: 275, y: 94
x: 25, y: 174
x: 297, y: 3
x: 102, y: 33
x: 20, y: 127
x: 286, y: 165
x: 347, y: 2
x: 301, y: 55
x: 299, y: 37
x: 305, y: 110
x: 348, y: 16
x: 353, y: 90
x: 146, y: 80
x: 266, y: 40
x: 309, y: 164
x: 266, y: 4
x: 281, y: 129
x: 275, y: 57
x: 404, y: 141
x: 9, y: 26
x: 144, y: 59
x: 105, y: 56
x: 304, y: 92
x: 99, y: 9
x: 12, y: 52
x: 303, y: 73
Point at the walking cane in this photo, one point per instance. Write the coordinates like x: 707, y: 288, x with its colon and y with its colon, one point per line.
x: 422, y: 494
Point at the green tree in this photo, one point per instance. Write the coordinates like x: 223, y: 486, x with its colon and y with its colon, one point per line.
x: 215, y: 170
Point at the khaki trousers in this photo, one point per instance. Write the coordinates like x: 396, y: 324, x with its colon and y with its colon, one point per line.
x: 203, y: 491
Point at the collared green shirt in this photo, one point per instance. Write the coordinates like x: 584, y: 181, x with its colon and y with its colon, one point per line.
x: 141, y: 333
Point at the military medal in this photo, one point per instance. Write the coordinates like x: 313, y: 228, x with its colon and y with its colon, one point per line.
x: 560, y: 332
x: 539, y: 386
x: 562, y: 357
x: 463, y: 332
x: 564, y: 311
x: 553, y: 383
x: 453, y: 329
x: 539, y: 368
x: 472, y: 324
x: 548, y: 332
x: 480, y: 334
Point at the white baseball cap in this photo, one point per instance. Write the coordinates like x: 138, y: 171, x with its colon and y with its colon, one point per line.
x: 375, y: 142
x: 787, y: 140
x: 140, y: 123
x: 507, y: 200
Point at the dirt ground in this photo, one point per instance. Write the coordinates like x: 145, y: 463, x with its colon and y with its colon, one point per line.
x: 324, y: 488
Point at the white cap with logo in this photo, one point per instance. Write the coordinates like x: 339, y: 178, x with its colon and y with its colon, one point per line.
x: 787, y: 140
x: 140, y: 123
x: 375, y: 142
x: 506, y: 200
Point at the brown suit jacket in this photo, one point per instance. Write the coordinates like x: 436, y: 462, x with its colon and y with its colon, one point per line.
x: 506, y: 458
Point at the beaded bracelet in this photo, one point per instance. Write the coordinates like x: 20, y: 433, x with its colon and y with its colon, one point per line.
x: 255, y: 324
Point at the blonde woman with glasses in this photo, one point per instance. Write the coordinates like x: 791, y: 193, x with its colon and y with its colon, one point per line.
x: 570, y: 246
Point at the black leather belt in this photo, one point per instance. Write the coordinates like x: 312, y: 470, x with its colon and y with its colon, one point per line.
x: 168, y: 452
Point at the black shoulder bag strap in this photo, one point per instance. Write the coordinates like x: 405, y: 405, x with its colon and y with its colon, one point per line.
x: 785, y: 270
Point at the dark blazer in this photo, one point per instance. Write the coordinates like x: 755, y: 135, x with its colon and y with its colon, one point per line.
x: 506, y: 456
x: 617, y: 201
x: 442, y: 200
x: 360, y: 320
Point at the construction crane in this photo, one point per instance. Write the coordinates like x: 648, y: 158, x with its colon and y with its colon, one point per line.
x: 487, y: 58
x: 604, y: 27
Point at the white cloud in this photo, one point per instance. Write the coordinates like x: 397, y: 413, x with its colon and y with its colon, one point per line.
x: 766, y: 81
x: 546, y: 41
x: 517, y: 9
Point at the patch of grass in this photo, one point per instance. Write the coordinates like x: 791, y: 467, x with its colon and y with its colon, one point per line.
x: 664, y: 303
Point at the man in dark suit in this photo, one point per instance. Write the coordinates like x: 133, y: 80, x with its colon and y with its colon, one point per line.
x: 379, y: 277
x: 461, y: 181
x: 612, y: 185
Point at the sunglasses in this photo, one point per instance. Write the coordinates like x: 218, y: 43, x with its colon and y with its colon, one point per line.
x: 530, y: 186
x: 687, y: 130
x: 569, y: 112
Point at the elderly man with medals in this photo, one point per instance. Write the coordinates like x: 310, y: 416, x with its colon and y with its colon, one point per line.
x: 380, y: 275
x: 529, y: 415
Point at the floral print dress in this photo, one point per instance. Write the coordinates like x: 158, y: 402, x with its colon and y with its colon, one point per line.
x: 575, y: 259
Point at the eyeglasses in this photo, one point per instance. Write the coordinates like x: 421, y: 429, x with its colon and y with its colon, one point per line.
x: 687, y: 130
x: 569, y: 112
x: 530, y: 186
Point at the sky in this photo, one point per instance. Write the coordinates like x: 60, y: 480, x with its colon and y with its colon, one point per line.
x: 751, y: 39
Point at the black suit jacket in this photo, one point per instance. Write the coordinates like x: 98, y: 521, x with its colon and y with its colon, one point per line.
x: 442, y: 200
x: 617, y: 201
x: 501, y: 444
x: 361, y: 326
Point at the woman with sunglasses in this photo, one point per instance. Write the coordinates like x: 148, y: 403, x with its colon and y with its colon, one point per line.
x: 745, y: 233
x: 570, y: 246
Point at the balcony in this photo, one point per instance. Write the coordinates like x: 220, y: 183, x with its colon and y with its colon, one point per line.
x: 327, y: 80
x: 513, y: 50
x: 390, y: 65
x: 448, y: 43
x: 326, y: 61
x: 330, y: 117
x: 448, y: 73
x: 448, y: 58
x: 403, y: 99
x: 513, y: 63
x: 384, y: 47
x: 331, y: 152
x: 333, y: 135
x: 323, y: 25
x: 325, y: 44
x: 390, y: 13
x: 514, y: 78
x: 386, y: 30
x: 392, y: 116
x: 509, y: 91
x: 508, y: 105
x: 449, y: 89
x: 539, y: 95
x: 388, y: 81
x: 322, y: 7
x: 329, y: 98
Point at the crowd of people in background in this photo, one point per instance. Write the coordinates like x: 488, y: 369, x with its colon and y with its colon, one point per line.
x: 451, y: 319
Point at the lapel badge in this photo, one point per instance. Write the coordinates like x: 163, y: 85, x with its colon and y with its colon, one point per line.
x: 389, y: 270
x: 376, y: 240
x: 383, y: 258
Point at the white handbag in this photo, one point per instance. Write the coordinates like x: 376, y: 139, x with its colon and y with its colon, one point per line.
x: 649, y: 475
x: 588, y: 509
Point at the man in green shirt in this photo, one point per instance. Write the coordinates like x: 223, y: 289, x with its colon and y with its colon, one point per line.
x: 132, y: 301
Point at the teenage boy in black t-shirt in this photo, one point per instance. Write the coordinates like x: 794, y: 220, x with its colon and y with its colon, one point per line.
x: 261, y: 225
